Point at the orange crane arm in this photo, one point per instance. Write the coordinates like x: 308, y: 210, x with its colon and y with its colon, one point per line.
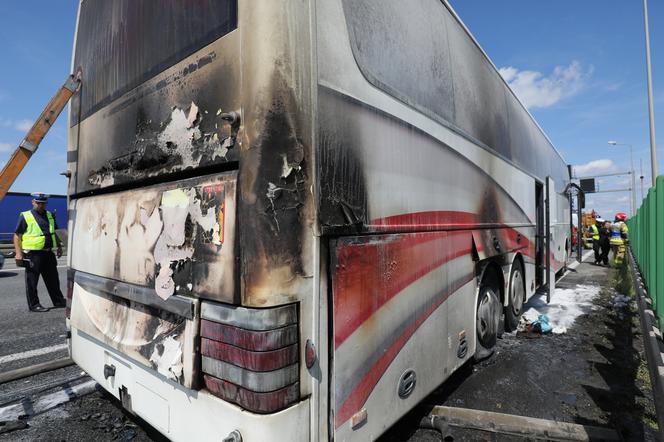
x: 36, y: 134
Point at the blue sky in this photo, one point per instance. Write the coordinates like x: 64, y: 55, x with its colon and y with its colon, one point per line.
x: 579, y: 66
x: 37, y: 38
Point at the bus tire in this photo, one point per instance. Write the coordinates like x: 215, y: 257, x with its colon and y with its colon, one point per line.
x: 487, y: 318
x: 516, y: 296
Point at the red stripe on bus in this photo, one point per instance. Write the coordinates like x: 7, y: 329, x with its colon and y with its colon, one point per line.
x: 364, y: 388
x: 431, y: 220
x: 448, y: 219
x: 371, y: 273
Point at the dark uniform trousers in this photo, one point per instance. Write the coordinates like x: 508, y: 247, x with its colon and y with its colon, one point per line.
x: 44, y: 263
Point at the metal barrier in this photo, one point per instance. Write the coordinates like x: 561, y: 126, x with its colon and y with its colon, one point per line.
x: 646, y: 232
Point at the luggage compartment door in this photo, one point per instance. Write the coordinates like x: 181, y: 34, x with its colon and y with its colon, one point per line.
x: 389, y: 296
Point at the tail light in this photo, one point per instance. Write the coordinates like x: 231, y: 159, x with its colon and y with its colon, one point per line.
x: 70, y: 290
x: 250, y: 356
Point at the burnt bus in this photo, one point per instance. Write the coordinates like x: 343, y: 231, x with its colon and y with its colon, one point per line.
x: 292, y: 220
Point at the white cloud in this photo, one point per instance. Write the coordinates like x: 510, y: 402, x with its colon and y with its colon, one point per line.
x: 595, y: 167
x: 5, y: 147
x: 23, y: 125
x: 536, y: 90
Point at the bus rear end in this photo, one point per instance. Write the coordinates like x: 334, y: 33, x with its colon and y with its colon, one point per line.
x: 190, y: 269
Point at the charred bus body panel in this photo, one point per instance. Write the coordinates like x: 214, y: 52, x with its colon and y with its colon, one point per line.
x: 274, y: 211
x: 441, y: 167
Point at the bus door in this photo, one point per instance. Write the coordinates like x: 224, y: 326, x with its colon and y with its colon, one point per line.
x: 551, y: 219
x: 540, y: 263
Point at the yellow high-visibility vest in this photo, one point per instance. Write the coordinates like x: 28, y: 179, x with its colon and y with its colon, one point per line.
x: 33, y: 237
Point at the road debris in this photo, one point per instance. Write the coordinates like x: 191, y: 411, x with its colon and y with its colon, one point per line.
x: 621, y: 304
x: 8, y: 427
x: 29, y: 407
x: 533, y: 329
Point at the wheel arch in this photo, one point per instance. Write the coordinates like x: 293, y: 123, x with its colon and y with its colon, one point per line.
x: 491, y: 268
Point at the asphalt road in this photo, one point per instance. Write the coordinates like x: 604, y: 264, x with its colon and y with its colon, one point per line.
x: 28, y: 338
x: 20, y: 329
x: 591, y: 375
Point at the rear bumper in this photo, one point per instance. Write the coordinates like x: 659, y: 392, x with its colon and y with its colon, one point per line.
x: 181, y: 413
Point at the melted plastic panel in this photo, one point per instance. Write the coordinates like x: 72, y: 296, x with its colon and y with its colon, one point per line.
x: 152, y: 337
x: 175, y: 238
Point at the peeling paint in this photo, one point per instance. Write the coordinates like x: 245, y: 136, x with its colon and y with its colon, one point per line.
x: 192, y: 119
x: 182, y: 212
x: 177, y: 143
x: 167, y: 358
x: 163, y: 283
x: 273, y: 192
x: 167, y: 237
x: 179, y: 135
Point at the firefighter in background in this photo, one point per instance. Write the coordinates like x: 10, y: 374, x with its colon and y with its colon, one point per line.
x: 618, y: 238
x: 593, y: 230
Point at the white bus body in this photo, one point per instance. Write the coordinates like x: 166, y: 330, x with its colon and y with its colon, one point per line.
x: 295, y: 219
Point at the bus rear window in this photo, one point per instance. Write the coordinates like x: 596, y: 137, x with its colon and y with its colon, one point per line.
x: 122, y: 43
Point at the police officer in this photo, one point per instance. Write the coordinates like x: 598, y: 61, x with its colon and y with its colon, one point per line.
x: 594, y: 232
x: 34, y: 239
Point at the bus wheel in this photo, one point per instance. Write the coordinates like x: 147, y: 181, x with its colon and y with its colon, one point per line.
x: 488, y: 318
x: 516, y: 297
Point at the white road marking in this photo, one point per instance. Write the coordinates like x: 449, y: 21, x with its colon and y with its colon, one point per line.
x: 32, y: 353
x: 29, y: 407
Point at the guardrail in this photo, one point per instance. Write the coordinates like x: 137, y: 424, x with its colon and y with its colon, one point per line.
x: 652, y: 341
x: 646, y: 233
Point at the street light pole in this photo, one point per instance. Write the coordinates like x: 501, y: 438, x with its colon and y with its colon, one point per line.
x: 651, y: 111
x: 631, y: 162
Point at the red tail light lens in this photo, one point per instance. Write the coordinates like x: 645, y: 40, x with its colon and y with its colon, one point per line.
x: 251, y: 356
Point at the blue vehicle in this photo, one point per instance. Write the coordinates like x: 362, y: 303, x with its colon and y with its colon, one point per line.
x: 15, y: 202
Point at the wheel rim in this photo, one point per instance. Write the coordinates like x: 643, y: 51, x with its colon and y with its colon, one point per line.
x: 517, y: 292
x: 487, y: 318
